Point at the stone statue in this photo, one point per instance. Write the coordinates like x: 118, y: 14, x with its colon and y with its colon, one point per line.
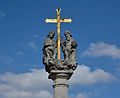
x: 69, y: 49
x: 49, y: 54
x: 59, y: 70
x: 50, y: 51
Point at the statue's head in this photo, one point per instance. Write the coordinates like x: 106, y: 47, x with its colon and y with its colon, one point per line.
x: 68, y: 35
x: 51, y: 34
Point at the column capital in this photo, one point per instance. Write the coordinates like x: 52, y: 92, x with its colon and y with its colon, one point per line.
x: 64, y: 74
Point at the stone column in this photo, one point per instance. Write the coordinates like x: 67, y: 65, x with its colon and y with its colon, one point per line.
x: 60, y: 78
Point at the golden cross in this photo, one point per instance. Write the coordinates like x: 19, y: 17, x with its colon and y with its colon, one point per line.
x: 58, y: 20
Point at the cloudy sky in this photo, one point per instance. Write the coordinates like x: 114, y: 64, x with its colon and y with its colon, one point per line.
x: 23, y: 30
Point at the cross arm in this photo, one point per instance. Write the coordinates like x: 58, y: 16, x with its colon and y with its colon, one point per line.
x: 66, y: 20
x: 51, y: 20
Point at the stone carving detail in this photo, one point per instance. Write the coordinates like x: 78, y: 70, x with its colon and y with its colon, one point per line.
x: 69, y: 49
x: 68, y: 46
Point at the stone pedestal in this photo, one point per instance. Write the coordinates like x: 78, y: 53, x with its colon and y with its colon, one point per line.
x: 60, y: 78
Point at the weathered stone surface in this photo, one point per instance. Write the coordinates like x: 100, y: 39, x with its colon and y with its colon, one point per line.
x: 60, y: 70
x: 50, y: 53
x: 60, y: 86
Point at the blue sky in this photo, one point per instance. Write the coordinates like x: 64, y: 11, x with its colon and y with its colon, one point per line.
x: 23, y: 30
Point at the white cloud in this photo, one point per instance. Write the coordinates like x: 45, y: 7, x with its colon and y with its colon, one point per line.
x: 32, y: 84
x: 26, y: 94
x: 35, y: 84
x: 81, y: 95
x: 83, y: 75
x: 102, y: 49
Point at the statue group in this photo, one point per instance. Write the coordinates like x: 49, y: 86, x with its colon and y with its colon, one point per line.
x: 68, y: 46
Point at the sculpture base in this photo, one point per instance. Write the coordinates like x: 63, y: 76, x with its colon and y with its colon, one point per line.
x: 60, y: 78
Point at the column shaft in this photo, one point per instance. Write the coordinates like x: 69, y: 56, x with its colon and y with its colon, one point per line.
x: 60, y: 87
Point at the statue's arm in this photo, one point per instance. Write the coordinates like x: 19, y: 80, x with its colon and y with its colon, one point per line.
x: 62, y: 43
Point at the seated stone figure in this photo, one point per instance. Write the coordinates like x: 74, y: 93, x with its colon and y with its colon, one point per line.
x: 49, y: 50
x: 69, y: 49
x: 49, y: 54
